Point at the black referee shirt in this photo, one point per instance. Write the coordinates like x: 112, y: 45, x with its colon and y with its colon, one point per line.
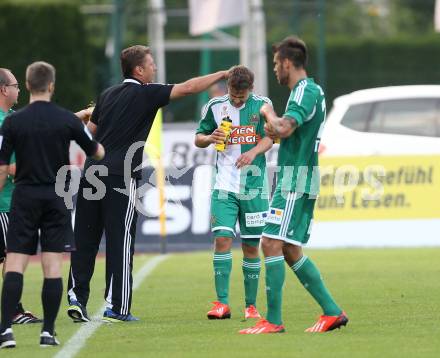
x: 40, y: 136
x: 124, y: 115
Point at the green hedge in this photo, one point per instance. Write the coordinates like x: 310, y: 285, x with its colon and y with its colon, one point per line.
x: 52, y: 32
x: 352, y: 64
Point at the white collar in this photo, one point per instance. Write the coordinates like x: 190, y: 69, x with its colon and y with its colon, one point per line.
x: 131, y: 80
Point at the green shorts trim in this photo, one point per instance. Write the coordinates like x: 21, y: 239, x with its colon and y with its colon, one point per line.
x: 290, y: 217
x: 222, y: 231
x: 227, y: 208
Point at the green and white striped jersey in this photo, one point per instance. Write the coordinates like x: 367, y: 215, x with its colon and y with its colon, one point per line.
x: 298, y: 154
x: 247, y: 131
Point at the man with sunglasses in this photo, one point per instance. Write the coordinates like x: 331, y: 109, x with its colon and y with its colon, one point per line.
x: 9, y: 90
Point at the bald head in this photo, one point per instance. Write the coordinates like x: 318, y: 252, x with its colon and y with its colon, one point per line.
x: 5, y: 76
x: 8, y: 89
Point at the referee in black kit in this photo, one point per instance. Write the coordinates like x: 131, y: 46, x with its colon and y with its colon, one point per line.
x: 122, y: 118
x: 40, y: 136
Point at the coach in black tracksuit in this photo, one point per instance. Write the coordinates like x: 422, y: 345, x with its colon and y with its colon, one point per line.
x: 40, y: 136
x: 121, y: 121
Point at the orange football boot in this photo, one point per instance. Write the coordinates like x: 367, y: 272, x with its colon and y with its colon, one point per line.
x: 219, y: 311
x: 329, y: 323
x: 251, y: 312
x: 263, y: 326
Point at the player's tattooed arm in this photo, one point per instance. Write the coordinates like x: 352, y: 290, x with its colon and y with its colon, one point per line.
x: 277, y: 127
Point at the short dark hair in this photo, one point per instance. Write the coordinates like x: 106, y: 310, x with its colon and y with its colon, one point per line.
x: 240, y: 78
x: 131, y: 57
x: 292, y: 48
x: 39, y: 75
x: 4, y: 78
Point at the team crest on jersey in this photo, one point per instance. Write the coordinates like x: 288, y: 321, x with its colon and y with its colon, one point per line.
x: 224, y: 111
x: 243, y: 135
x: 254, y: 118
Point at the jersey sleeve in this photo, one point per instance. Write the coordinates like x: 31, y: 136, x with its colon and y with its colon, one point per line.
x: 83, y: 137
x: 301, y: 104
x: 158, y: 93
x: 207, y: 123
x: 6, y: 142
x: 260, y: 131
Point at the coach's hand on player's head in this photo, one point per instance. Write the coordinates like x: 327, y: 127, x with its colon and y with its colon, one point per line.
x: 218, y: 136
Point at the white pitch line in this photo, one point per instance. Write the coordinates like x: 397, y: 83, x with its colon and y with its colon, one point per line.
x: 78, y: 340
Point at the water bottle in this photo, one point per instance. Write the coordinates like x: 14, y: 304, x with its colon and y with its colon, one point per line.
x: 226, y: 125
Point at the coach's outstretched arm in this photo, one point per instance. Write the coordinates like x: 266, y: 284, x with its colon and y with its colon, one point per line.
x: 197, y: 84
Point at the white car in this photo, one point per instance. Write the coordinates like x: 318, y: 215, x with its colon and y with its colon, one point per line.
x: 398, y: 120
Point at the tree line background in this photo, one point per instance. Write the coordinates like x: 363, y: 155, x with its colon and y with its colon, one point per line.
x: 369, y: 43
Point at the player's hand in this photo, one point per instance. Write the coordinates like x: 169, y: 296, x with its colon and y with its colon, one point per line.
x: 265, y: 110
x: 218, y: 136
x: 88, y: 113
x: 85, y: 114
x: 270, y: 131
x: 245, y: 159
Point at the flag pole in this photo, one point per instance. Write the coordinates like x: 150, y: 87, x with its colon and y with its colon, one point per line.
x: 153, y: 147
x: 160, y: 175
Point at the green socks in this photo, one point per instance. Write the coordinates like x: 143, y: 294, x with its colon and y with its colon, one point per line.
x: 275, y: 274
x: 310, y: 277
x: 251, y: 275
x: 222, y: 272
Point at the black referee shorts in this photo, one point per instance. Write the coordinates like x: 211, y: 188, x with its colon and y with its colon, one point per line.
x: 4, y: 223
x: 33, y: 208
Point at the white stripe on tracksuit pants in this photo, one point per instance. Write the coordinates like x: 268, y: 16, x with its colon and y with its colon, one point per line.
x: 4, y: 223
x: 115, y: 215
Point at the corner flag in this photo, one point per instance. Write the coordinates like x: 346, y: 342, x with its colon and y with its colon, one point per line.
x: 153, y: 148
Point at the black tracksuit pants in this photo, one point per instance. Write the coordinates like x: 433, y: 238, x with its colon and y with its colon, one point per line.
x: 116, y: 216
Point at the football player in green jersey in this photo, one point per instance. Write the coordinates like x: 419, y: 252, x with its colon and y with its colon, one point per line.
x: 240, y: 188
x: 9, y: 91
x: 290, y: 216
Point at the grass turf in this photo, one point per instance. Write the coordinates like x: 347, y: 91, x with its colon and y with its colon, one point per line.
x: 390, y: 295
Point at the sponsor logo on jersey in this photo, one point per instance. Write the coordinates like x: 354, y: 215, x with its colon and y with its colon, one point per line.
x: 243, y: 135
x: 255, y: 219
x: 274, y: 216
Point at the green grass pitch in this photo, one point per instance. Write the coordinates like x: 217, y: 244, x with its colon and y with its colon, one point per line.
x: 392, y: 297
